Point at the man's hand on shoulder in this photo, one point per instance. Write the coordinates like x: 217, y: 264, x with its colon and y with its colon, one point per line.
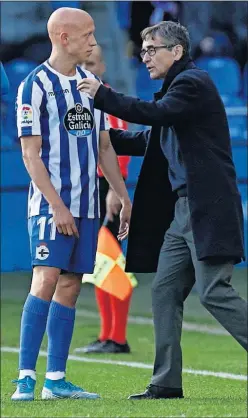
x: 89, y: 86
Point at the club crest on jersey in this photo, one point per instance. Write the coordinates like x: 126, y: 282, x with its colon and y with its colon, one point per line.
x: 26, y: 115
x: 42, y: 252
x: 79, y: 121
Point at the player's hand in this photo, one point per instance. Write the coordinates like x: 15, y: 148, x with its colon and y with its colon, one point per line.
x: 125, y: 216
x: 89, y: 86
x: 113, y: 205
x: 64, y: 221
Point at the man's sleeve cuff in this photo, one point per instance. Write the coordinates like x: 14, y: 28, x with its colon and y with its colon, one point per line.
x: 101, y: 93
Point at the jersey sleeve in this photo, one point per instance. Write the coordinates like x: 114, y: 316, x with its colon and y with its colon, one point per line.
x: 29, y: 100
x: 104, y: 123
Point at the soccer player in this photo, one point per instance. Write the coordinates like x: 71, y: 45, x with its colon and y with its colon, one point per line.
x: 113, y: 311
x: 62, y: 137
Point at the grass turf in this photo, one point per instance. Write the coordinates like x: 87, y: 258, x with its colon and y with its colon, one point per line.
x: 205, y: 396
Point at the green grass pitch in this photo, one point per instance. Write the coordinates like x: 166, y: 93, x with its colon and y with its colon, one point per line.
x: 205, y: 396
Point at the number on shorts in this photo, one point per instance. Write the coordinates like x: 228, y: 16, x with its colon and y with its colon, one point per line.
x: 42, y: 222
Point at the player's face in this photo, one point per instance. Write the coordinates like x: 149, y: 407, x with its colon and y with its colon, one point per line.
x: 159, y: 63
x: 82, y: 41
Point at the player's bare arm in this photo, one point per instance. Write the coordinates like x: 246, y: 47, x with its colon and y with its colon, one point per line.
x: 63, y: 219
x: 109, y: 165
x: 113, y: 205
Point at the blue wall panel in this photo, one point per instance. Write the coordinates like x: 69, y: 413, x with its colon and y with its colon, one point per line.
x: 13, y: 172
x: 243, y: 188
x: 14, y: 236
x: 240, y: 159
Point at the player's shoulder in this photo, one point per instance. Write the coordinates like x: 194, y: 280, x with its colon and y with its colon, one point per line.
x: 85, y: 73
x: 37, y: 75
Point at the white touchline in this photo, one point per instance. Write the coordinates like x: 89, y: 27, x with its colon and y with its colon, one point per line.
x: 137, y: 365
x: 140, y: 320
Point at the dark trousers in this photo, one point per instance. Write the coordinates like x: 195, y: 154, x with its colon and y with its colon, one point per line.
x: 178, y: 270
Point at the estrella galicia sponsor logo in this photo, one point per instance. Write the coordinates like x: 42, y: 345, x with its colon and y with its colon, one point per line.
x: 42, y: 252
x: 79, y: 121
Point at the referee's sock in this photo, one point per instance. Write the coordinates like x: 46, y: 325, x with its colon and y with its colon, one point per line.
x: 60, y: 326
x: 33, y: 326
x: 104, y: 307
x: 120, y: 309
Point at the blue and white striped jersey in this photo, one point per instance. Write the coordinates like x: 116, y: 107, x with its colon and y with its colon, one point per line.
x: 49, y: 104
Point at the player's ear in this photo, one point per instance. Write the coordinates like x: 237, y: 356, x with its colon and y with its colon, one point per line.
x: 64, y: 38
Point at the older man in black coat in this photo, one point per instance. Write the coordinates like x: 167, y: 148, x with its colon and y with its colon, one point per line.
x: 187, y: 221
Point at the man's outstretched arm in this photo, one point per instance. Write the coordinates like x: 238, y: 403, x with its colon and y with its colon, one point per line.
x: 129, y: 143
x: 182, y: 101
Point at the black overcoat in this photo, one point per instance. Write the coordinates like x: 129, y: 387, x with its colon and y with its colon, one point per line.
x: 189, y: 102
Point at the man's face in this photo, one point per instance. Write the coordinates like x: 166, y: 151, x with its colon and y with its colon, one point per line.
x: 81, y: 41
x: 158, y: 64
x: 94, y: 62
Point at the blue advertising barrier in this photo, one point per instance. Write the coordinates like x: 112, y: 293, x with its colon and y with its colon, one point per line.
x: 14, y: 190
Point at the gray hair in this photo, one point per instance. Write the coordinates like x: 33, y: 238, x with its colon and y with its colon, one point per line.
x: 172, y: 33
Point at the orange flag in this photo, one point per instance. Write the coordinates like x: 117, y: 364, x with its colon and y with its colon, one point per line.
x: 109, y: 272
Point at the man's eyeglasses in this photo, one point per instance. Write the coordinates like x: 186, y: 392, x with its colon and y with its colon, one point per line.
x: 152, y: 50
